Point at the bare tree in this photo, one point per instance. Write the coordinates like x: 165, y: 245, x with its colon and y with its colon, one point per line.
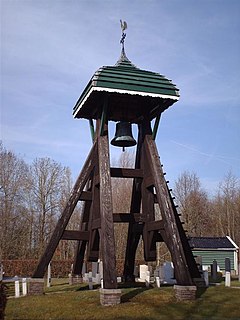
x: 13, y: 211
x: 47, y: 180
x: 226, y: 207
x: 193, y: 204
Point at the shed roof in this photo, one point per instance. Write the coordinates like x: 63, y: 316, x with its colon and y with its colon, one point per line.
x: 132, y: 92
x: 212, y: 243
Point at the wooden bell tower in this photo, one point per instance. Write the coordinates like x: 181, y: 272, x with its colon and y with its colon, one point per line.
x: 126, y: 93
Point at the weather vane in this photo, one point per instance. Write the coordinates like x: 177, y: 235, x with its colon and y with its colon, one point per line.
x: 123, y: 27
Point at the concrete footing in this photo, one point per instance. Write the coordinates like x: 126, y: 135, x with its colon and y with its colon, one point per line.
x: 185, y: 292
x: 35, y: 286
x: 110, y: 297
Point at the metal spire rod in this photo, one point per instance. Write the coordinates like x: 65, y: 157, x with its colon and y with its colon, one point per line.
x: 123, y: 27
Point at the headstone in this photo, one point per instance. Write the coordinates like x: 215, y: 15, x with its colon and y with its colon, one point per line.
x: 227, y: 279
x: 17, y: 289
x: 136, y: 271
x: 198, y: 260
x: 227, y: 265
x: 161, y: 273
x: 158, y: 282
x: 97, y: 279
x: 205, y: 276
x: 84, y: 268
x: 168, y: 272
x: 49, y: 275
x: 119, y: 279
x: 156, y: 272
x: 90, y: 282
x: 85, y: 277
x: 94, y: 269
x: 102, y: 283
x: 101, y: 269
x: 147, y: 281
x: 214, y: 270
x: 24, y: 286
x: 143, y: 272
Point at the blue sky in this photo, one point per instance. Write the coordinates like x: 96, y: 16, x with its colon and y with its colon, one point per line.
x: 50, y: 50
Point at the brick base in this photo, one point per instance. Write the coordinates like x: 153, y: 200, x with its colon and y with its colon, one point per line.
x: 75, y: 279
x: 185, y: 292
x: 110, y: 297
x: 36, y: 286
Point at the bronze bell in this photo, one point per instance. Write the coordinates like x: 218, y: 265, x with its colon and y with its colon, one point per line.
x: 123, y: 135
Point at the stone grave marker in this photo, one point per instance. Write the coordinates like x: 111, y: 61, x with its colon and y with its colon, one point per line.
x: 168, y: 273
x: 227, y: 265
x: 143, y: 272
x: 227, y: 279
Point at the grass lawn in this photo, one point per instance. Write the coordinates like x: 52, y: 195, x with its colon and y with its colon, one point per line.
x: 62, y: 301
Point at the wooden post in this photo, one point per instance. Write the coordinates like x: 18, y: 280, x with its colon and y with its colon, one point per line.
x: 134, y: 228
x: 106, y: 212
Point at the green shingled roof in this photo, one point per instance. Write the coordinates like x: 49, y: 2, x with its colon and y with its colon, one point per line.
x: 132, y: 93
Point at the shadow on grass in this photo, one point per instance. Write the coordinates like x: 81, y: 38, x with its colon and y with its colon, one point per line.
x: 133, y: 293
x: 86, y: 287
x: 200, y: 292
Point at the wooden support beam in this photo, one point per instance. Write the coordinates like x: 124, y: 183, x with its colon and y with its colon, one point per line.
x: 173, y: 240
x: 81, y: 247
x: 126, y: 173
x: 155, y: 128
x: 75, y: 235
x: 133, y: 228
x: 66, y: 215
x: 106, y: 213
x: 154, y: 225
x: 92, y: 130
x: 96, y: 224
x: 126, y: 217
x: 86, y: 196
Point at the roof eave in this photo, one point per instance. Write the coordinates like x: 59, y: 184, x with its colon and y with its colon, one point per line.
x: 90, y: 88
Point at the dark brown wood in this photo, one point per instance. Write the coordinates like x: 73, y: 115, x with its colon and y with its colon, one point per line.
x: 126, y: 173
x: 66, y: 215
x: 81, y: 246
x: 155, y: 225
x: 75, y: 235
x: 93, y: 244
x: 150, y: 253
x: 173, y: 241
x: 96, y: 233
x: 134, y: 229
x: 86, y: 196
x: 126, y: 217
x: 106, y: 213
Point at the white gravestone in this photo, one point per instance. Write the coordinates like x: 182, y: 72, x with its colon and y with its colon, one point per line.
x: 94, y: 269
x: 143, y: 268
x: 147, y: 281
x: 17, y: 289
x: 49, y: 275
x: 227, y: 279
x: 24, y: 286
x: 90, y: 282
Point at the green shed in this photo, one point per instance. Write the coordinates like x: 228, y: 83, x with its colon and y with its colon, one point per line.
x: 215, y: 248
